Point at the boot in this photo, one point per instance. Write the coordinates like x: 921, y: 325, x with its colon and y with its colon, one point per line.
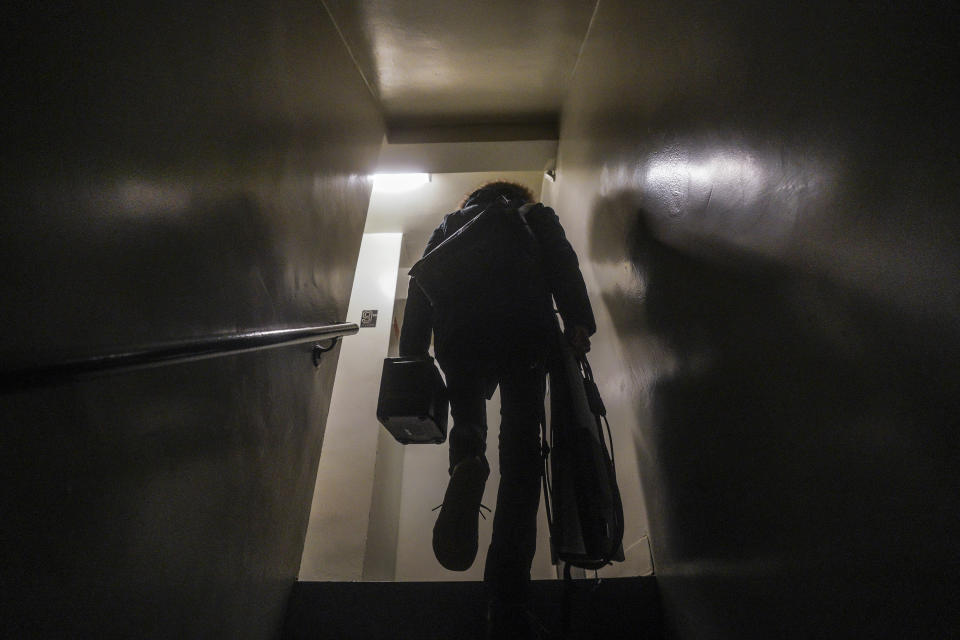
x: 455, y: 532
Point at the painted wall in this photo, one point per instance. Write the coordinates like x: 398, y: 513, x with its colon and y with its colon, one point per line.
x: 383, y: 532
x: 170, y: 172
x: 765, y: 198
x: 343, y: 496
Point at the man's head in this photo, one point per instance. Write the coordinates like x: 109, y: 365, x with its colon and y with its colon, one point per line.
x: 493, y: 190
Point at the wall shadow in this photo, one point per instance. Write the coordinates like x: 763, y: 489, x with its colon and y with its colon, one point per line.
x: 799, y: 436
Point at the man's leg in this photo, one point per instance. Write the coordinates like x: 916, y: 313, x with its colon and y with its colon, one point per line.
x: 468, y: 435
x: 455, y: 532
x: 514, y: 540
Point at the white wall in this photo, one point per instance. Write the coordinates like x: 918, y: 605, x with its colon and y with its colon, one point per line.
x: 337, y: 533
x: 380, y: 557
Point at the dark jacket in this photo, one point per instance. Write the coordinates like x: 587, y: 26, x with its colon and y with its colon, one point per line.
x: 560, y: 267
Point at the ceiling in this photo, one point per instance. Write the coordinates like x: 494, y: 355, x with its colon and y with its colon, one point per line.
x: 461, y: 66
x: 470, y: 90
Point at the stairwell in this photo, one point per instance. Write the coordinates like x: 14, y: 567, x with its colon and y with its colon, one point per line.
x: 764, y: 198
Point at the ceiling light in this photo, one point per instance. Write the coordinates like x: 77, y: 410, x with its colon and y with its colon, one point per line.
x: 394, y: 182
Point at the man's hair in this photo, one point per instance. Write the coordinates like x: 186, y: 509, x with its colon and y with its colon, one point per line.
x: 495, y: 189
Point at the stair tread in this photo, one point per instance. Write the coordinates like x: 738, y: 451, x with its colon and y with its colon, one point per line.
x: 614, y: 608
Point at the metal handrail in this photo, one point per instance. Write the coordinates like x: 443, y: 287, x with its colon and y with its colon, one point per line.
x: 176, y: 352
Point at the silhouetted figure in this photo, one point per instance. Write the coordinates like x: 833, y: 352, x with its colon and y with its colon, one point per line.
x: 518, y: 366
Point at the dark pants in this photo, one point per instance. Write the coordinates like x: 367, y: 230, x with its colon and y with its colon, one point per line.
x: 514, y: 542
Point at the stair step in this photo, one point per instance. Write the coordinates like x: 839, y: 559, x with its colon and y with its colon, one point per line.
x: 627, y: 608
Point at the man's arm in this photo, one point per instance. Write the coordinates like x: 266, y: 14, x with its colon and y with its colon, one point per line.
x: 418, y: 315
x: 564, y: 276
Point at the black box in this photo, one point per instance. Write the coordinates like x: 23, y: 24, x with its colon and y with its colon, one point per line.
x: 413, y: 401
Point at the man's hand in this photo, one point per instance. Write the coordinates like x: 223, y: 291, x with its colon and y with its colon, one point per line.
x: 580, y: 340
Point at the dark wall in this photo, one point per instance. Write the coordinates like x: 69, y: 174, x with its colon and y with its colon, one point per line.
x: 170, y: 172
x: 766, y: 199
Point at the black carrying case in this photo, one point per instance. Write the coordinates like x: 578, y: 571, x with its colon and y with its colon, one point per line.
x: 586, y: 513
x: 413, y: 403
